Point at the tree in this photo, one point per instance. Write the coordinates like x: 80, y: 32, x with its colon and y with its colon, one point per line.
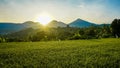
x: 38, y: 36
x: 91, y: 32
x: 119, y: 27
x: 116, y: 27
x: 81, y: 32
x: 106, y: 32
x: 2, y: 39
x: 76, y: 36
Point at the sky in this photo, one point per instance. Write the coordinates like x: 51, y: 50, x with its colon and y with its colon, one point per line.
x: 95, y: 11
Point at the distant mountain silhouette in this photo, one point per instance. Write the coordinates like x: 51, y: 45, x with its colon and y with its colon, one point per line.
x: 31, y: 24
x: 6, y: 28
x: 55, y: 23
x: 80, y: 23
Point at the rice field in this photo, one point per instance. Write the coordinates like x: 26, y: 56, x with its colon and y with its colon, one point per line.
x: 95, y: 53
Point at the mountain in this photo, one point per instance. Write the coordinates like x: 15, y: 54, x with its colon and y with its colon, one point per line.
x: 80, y: 23
x: 55, y: 23
x: 31, y: 24
x: 6, y: 28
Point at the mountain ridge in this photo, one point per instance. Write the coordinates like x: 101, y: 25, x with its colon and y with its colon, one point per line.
x: 10, y: 27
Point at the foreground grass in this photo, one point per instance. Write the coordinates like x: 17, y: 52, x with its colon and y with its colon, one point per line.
x: 101, y: 53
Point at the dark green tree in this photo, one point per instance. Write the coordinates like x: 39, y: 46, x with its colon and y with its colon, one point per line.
x: 39, y: 36
x: 106, y: 32
x: 116, y: 27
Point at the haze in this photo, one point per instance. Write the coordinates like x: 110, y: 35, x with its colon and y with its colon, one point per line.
x: 96, y: 11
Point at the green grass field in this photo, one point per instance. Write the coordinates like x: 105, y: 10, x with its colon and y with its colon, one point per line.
x: 96, y: 53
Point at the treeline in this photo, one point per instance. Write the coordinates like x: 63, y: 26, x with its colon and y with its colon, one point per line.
x: 64, y: 33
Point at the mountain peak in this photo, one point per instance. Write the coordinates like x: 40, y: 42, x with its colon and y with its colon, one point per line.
x: 80, y: 23
x: 78, y: 19
x: 55, y: 23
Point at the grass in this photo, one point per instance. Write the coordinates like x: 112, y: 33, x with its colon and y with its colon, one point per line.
x: 96, y: 53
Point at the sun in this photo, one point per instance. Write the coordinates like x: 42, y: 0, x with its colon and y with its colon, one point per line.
x: 44, y: 18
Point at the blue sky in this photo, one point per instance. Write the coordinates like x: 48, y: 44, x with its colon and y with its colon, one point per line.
x: 96, y: 11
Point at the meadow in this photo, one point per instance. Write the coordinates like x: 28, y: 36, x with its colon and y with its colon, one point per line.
x: 95, y: 53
